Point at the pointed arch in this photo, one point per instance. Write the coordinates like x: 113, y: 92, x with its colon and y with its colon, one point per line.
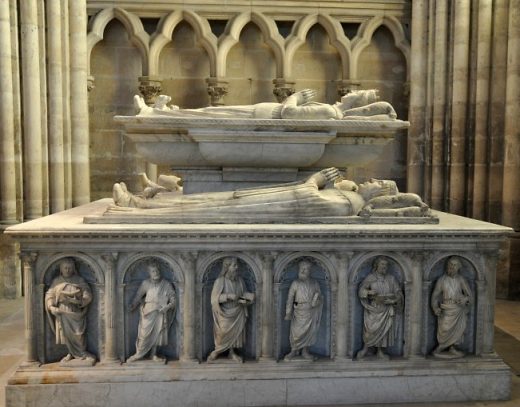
x: 364, y: 37
x: 334, y: 30
x: 133, y: 25
x: 231, y: 37
x: 165, y: 30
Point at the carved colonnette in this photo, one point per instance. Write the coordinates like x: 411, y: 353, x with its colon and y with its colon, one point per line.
x: 190, y: 257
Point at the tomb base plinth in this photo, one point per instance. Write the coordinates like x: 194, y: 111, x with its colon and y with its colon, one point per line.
x: 111, y: 259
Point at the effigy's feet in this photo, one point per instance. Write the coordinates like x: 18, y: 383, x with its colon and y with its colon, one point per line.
x: 121, y: 195
x: 362, y: 353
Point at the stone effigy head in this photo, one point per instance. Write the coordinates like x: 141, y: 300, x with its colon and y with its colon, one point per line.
x: 358, y: 98
x: 377, y: 187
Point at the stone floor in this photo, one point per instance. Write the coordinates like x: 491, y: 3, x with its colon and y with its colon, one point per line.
x: 507, y: 341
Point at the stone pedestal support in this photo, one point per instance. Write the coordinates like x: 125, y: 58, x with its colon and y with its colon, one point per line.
x: 32, y: 117
x: 217, y: 89
x: 79, y: 102
x: 55, y: 107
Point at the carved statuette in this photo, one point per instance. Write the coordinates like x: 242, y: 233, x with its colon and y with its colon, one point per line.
x: 66, y: 303
x: 229, y: 302
x: 451, y: 301
x: 156, y: 299
x: 381, y: 297
x: 303, y: 308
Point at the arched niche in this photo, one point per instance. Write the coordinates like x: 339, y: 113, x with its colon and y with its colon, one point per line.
x: 183, y: 66
x: 357, y: 310
x: 207, y: 279
x: 132, y: 278
x: 88, y: 270
x: 250, y: 68
x: 116, y: 64
x: 432, y: 275
x: 323, y: 274
x: 381, y: 65
x: 317, y: 65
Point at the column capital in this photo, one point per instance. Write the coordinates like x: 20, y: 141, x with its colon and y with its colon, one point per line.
x: 283, y: 88
x: 28, y: 258
x: 150, y: 87
x: 346, y: 86
x: 217, y: 89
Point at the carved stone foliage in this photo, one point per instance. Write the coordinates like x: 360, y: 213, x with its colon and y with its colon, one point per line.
x: 244, y: 271
x: 322, y: 347
x: 466, y: 318
x: 369, y: 292
x: 137, y: 273
x: 150, y: 88
x: 283, y: 89
x: 72, y: 305
x: 217, y: 89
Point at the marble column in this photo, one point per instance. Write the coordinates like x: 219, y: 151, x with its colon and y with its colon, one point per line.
x: 414, y: 287
x: 79, y: 102
x: 459, y: 100
x: 66, y: 104
x: 32, y: 117
x: 497, y: 112
x: 418, y: 85
x: 8, y: 213
x: 511, y: 190
x: 342, y: 265
x: 481, y: 110
x: 110, y: 260
x: 267, y: 261
x: 439, y: 89
x: 189, y: 261
x: 217, y: 89
x: 29, y: 260
x: 55, y: 106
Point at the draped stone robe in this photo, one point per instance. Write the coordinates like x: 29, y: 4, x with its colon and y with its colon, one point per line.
x: 71, y: 295
x: 154, y: 326
x: 306, y: 302
x: 452, y: 295
x: 378, y: 318
x: 229, y: 317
